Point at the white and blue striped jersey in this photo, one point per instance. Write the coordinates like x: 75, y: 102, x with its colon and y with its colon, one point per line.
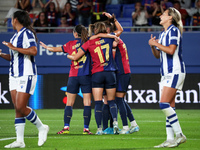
x: 21, y: 64
x: 171, y: 63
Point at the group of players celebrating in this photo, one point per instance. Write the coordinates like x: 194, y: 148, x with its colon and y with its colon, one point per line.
x: 99, y: 66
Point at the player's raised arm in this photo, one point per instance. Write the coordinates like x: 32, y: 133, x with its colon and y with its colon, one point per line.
x: 52, y: 49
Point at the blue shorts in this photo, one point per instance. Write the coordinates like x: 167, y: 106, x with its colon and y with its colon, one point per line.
x: 123, y: 81
x: 83, y: 82
x: 105, y: 79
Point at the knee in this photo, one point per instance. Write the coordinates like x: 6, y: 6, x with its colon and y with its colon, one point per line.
x: 20, y: 109
x: 164, y: 105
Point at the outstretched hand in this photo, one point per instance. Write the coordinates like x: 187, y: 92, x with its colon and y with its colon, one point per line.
x: 9, y: 45
x: 45, y: 46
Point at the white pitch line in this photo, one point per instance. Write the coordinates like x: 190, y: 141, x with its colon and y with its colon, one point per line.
x: 5, y: 139
x: 104, y: 137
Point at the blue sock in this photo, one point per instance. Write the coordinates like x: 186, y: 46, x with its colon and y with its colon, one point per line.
x: 98, y: 113
x: 129, y: 112
x: 87, y: 116
x: 67, y: 115
x: 113, y: 109
x: 111, y: 120
x: 106, y: 112
x: 122, y: 110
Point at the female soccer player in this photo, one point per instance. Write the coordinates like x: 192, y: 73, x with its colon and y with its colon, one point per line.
x: 23, y: 77
x: 103, y: 73
x: 79, y: 76
x: 123, y: 80
x: 169, y: 49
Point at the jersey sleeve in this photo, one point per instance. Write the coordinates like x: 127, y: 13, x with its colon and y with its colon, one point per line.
x: 29, y: 39
x: 173, y: 38
x: 65, y: 48
x: 84, y: 47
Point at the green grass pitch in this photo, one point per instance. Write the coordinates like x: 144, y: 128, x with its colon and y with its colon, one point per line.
x: 151, y: 123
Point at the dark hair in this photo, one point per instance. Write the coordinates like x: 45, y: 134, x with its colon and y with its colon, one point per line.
x: 110, y: 23
x: 45, y: 18
x: 24, y: 19
x: 82, y: 32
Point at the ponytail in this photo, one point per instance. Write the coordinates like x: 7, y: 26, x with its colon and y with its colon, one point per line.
x: 24, y: 19
x: 91, y: 30
x: 82, y: 33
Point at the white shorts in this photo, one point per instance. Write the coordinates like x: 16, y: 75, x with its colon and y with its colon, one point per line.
x: 25, y: 84
x: 173, y: 80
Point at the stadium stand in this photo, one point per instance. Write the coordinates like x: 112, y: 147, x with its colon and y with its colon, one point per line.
x: 116, y: 9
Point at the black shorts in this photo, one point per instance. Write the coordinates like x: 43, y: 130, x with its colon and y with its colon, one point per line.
x: 83, y: 82
x: 123, y: 81
x: 105, y: 79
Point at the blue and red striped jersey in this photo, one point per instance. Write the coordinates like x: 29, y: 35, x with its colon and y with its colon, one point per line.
x: 82, y: 66
x: 101, y: 53
x: 121, y: 58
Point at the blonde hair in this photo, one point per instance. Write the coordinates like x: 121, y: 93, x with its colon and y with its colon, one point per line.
x: 176, y: 18
x: 100, y: 27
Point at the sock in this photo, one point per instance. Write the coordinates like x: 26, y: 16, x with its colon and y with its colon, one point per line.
x: 87, y: 116
x: 67, y: 116
x: 169, y: 129
x: 106, y: 112
x: 98, y: 113
x: 19, y: 128
x: 133, y: 123
x: 33, y: 118
x: 129, y: 112
x: 111, y: 120
x: 172, y: 117
x: 113, y: 109
x: 122, y: 110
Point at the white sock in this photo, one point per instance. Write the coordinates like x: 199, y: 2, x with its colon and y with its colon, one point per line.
x: 33, y: 118
x: 19, y: 129
x: 169, y: 131
x: 125, y: 127
x: 133, y: 123
x: 173, y: 119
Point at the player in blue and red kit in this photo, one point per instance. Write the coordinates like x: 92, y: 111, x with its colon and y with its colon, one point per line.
x: 79, y: 76
x: 103, y: 73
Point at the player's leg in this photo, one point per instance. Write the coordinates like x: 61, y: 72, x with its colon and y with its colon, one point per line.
x: 86, y: 88
x: 134, y: 126
x: 87, y: 112
x: 170, y: 86
x: 106, y: 111
x: 110, y: 86
x: 107, y: 116
x: 119, y: 99
x: 19, y: 126
x: 72, y: 90
x: 97, y: 91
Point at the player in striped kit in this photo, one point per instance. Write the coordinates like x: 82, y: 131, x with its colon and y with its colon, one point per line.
x: 103, y: 73
x: 169, y: 49
x: 79, y: 77
x: 23, y: 77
